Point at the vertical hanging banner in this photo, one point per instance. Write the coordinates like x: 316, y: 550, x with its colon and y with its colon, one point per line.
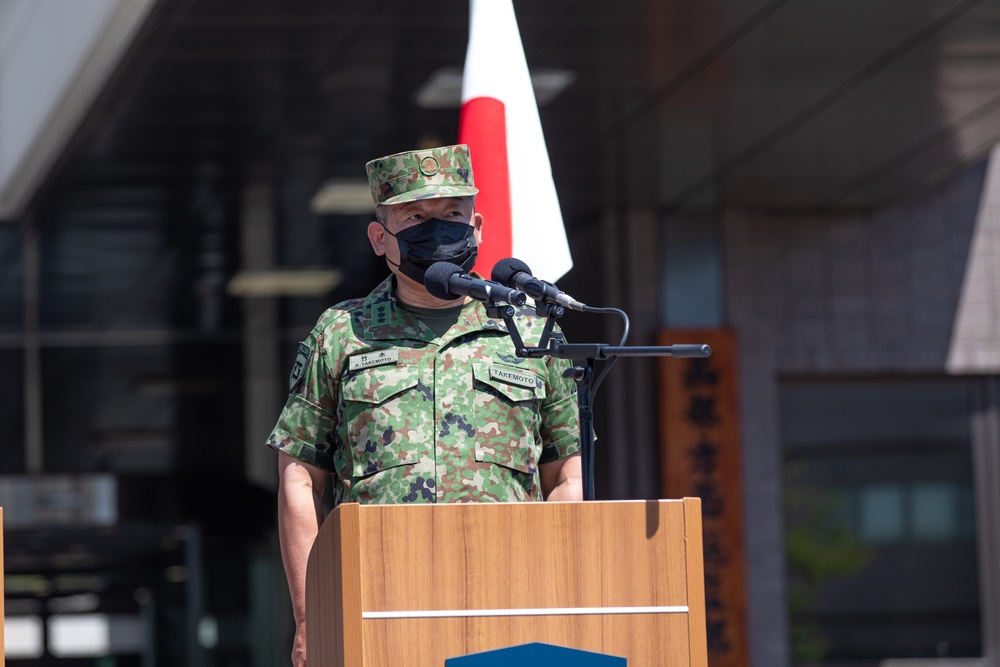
x: 499, y: 121
x: 701, y: 456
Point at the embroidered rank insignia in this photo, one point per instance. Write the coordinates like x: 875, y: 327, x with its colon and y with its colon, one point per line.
x: 299, y: 369
x: 368, y: 359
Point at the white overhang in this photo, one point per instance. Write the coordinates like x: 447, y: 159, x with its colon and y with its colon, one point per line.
x: 55, y: 58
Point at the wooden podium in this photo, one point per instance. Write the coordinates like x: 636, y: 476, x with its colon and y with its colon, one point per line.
x: 393, y: 585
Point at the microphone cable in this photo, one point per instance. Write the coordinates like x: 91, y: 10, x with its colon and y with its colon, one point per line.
x: 611, y: 362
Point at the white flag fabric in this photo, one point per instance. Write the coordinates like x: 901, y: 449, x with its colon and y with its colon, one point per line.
x: 499, y: 121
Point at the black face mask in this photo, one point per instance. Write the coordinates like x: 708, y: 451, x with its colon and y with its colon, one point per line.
x: 432, y: 241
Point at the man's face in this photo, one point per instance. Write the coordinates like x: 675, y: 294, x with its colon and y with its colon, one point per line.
x: 409, y: 214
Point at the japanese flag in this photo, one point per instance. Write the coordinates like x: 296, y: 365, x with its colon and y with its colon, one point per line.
x: 499, y: 121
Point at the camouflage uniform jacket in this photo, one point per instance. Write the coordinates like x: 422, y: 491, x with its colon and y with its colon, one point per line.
x: 397, y: 415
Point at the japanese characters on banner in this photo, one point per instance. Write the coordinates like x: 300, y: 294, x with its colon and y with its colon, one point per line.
x: 700, y: 447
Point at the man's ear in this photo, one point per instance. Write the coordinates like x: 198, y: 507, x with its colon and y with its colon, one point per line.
x: 376, y: 236
x: 478, y: 224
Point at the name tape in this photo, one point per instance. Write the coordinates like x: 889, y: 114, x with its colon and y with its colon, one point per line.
x: 369, y: 359
x: 513, y: 377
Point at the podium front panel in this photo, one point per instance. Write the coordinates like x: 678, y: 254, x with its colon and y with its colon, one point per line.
x: 441, y: 581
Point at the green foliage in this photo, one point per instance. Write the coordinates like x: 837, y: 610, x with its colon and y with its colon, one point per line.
x: 821, y: 547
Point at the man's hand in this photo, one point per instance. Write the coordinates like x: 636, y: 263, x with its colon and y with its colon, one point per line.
x: 299, y: 646
x: 562, y: 479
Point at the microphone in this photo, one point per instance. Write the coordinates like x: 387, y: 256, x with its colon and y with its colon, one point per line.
x: 447, y: 281
x: 515, y: 273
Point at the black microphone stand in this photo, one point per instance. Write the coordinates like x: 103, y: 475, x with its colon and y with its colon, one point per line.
x: 553, y: 344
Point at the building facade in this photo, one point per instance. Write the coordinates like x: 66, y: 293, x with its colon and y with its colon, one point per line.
x: 819, y: 182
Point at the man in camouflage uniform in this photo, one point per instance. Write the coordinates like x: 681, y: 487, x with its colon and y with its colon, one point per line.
x: 402, y: 397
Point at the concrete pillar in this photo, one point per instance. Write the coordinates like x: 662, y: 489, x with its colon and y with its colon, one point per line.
x: 262, y: 368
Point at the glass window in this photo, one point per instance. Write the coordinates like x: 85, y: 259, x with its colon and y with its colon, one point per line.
x: 22, y: 637
x: 108, y: 408
x: 144, y: 409
x: 935, y: 511
x: 113, y: 274
x: 11, y: 278
x: 12, y: 409
x: 882, y: 513
x: 880, y: 520
x: 79, y: 635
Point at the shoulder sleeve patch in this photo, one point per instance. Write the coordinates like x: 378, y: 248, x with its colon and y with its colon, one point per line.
x: 299, y: 368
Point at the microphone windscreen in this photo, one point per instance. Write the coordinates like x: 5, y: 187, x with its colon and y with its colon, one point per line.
x: 437, y: 280
x: 505, y: 270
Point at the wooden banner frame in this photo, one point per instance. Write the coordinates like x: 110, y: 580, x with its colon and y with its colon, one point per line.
x: 701, y: 456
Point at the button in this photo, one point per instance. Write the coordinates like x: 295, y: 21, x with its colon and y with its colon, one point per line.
x: 429, y: 166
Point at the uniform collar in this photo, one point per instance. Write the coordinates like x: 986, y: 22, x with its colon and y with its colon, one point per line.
x: 385, y: 319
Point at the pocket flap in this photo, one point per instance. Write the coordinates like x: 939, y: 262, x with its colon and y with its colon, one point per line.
x: 514, y: 383
x: 378, y: 384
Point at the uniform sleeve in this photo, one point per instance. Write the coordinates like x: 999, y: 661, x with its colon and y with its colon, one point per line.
x: 560, y: 428
x: 305, y: 429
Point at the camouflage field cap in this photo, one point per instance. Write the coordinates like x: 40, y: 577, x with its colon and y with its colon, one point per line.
x: 422, y: 174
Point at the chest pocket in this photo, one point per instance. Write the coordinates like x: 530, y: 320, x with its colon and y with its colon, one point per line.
x: 386, y: 414
x: 508, y: 416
